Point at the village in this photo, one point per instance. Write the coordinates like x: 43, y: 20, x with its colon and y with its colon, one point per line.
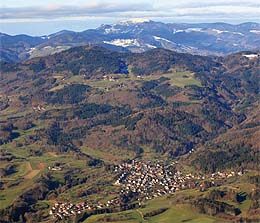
x: 146, y: 179
x: 151, y: 180
x: 65, y: 210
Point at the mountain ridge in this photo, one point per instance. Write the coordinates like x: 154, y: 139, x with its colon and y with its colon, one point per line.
x: 201, y: 38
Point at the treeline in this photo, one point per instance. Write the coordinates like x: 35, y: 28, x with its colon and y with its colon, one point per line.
x: 8, y: 129
x: 92, y: 62
x: 22, y: 210
x: 26, y: 208
x: 226, y: 156
x: 7, y: 170
x: 155, y: 212
x: 212, y: 207
x: 160, y: 61
x: 71, y: 94
x: 231, y: 195
x: 7, y: 133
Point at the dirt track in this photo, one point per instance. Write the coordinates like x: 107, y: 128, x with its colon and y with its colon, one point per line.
x: 28, y: 166
x: 53, y: 154
x: 32, y: 173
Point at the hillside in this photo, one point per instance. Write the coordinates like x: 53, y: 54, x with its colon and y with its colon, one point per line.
x: 70, y: 119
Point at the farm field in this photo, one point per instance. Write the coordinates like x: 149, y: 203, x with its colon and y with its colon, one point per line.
x: 174, y: 214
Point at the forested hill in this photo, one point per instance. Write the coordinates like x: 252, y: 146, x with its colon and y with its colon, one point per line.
x: 186, y: 101
x: 72, y: 123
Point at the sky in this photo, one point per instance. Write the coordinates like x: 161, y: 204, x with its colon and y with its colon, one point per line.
x: 43, y: 17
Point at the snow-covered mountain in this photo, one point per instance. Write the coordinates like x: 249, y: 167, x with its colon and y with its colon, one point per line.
x: 138, y: 35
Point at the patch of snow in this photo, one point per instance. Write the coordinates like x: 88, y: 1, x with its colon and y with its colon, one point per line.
x: 123, y: 42
x: 45, y: 37
x: 255, y: 31
x: 225, y: 31
x: 187, y: 30
x: 217, y: 31
x: 202, y: 30
x: 150, y: 46
x: 178, y: 31
x: 47, y: 47
x: 31, y: 50
x: 235, y: 33
x: 111, y: 30
x: 251, y: 56
x: 135, y: 21
x: 160, y: 38
x: 188, y: 48
x: 193, y: 30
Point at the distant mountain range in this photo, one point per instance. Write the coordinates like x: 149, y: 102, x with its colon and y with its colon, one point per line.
x: 139, y: 35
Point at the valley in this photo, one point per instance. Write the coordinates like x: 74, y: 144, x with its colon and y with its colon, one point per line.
x: 80, y: 129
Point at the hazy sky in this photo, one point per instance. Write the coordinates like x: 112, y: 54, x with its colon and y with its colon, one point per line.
x: 40, y: 17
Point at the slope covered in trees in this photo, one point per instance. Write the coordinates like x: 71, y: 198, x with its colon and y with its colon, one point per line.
x: 89, y: 108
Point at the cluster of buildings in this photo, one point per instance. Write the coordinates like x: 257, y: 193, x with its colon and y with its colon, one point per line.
x: 152, y: 179
x: 62, y: 211
x: 39, y: 108
x: 109, y: 78
x: 55, y: 168
x: 147, y: 180
x: 225, y: 175
x: 65, y: 210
